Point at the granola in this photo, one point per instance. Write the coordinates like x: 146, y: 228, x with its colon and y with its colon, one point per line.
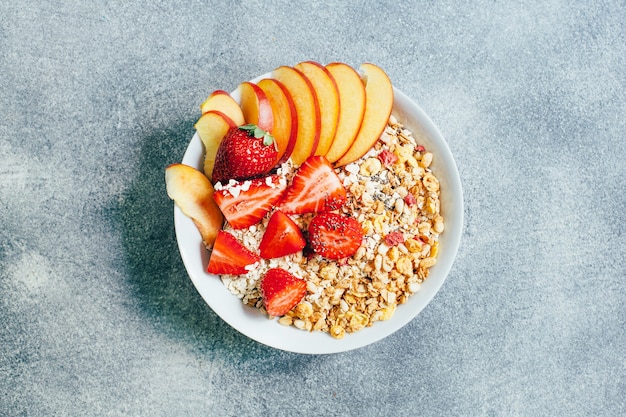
x: 394, y: 195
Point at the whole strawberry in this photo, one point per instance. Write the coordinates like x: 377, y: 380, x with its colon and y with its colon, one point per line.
x: 245, y: 152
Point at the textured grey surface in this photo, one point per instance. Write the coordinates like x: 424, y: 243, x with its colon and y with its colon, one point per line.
x: 98, y: 316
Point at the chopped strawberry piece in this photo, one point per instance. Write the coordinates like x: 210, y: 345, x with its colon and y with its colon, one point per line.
x: 335, y: 236
x: 229, y: 256
x: 281, y: 291
x: 245, y: 203
x: 315, y: 188
x: 420, y: 148
x: 394, y: 239
x: 410, y: 200
x: 387, y: 158
x: 282, y: 237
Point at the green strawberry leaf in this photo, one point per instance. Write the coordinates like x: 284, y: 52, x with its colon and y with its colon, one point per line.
x: 257, y: 132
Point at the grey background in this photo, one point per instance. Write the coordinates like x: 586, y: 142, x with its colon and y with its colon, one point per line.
x: 97, y: 315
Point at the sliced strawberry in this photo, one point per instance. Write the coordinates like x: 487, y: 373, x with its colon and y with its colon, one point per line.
x: 229, y: 256
x: 245, y: 203
x: 281, y: 291
x: 282, y: 237
x: 335, y: 236
x: 315, y: 188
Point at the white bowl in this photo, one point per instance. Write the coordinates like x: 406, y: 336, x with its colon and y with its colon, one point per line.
x: 257, y: 326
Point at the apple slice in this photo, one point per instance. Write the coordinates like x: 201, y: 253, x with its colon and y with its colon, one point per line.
x: 221, y: 101
x: 307, y: 110
x: 193, y: 194
x: 328, y: 98
x: 378, y: 105
x: 352, y: 107
x: 285, y: 126
x: 212, y: 126
x: 255, y: 106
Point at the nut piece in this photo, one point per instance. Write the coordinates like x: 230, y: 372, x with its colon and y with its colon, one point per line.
x: 371, y: 166
x: 426, y: 160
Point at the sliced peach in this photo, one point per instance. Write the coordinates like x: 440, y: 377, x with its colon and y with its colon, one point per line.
x: 221, y: 101
x: 255, y: 106
x: 212, y: 127
x: 307, y: 109
x: 192, y: 192
x: 378, y: 105
x: 351, y: 108
x: 328, y: 98
x: 285, y: 127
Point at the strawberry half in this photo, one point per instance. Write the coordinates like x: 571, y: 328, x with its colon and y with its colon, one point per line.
x: 315, y: 188
x: 245, y: 203
x: 245, y: 152
x: 281, y: 291
x: 335, y: 236
x: 282, y: 237
x: 229, y: 256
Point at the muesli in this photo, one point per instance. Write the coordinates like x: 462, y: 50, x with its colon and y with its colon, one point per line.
x: 394, y: 195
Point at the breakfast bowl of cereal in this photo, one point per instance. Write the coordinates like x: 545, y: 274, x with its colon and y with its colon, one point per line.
x: 342, y: 227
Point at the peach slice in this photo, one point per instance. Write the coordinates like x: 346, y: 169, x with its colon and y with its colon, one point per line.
x: 328, y: 98
x: 255, y: 106
x: 212, y: 126
x: 378, y: 105
x: 285, y: 127
x: 307, y: 110
x: 193, y: 194
x: 352, y: 107
x: 221, y: 101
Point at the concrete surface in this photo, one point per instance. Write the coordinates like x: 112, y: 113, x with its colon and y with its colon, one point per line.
x: 98, y: 316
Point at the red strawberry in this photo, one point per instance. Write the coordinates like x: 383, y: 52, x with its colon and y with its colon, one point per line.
x: 229, y: 256
x: 315, y: 188
x: 245, y: 203
x: 245, y: 152
x: 282, y: 237
x: 281, y: 291
x: 335, y: 236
